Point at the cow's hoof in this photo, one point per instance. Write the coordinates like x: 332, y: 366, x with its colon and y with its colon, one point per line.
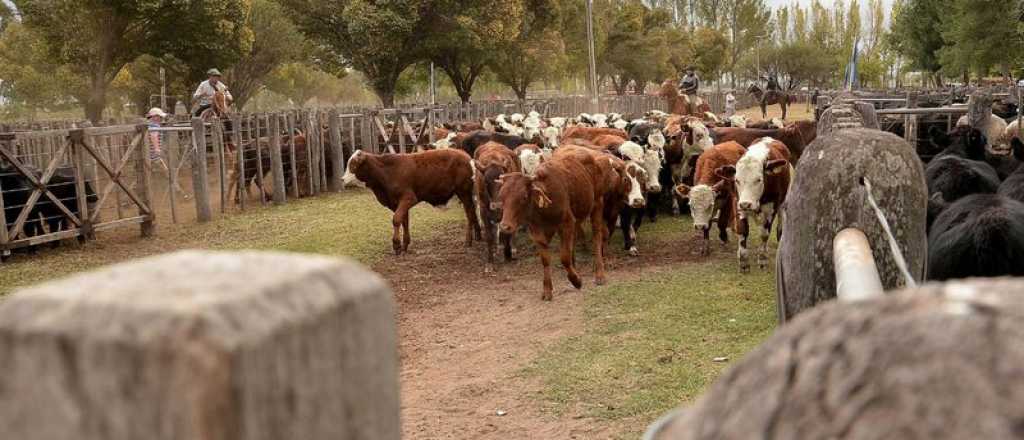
x: 546, y: 296
x: 762, y: 262
x: 600, y: 281
x: 576, y: 281
x: 488, y: 269
x: 633, y: 251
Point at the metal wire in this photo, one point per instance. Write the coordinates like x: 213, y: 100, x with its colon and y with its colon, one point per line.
x: 894, y: 247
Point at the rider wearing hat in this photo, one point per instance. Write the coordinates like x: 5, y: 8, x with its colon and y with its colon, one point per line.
x: 204, y: 93
x: 689, y: 86
x: 155, y: 117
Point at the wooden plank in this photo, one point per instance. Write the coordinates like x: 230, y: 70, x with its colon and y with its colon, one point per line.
x: 3, y: 220
x: 337, y: 151
x: 44, y: 134
x: 44, y: 238
x: 277, y: 169
x: 259, y: 163
x: 39, y: 191
x: 115, y: 176
x: 201, y: 188
x: 236, y: 137
x: 321, y: 150
x: 140, y: 219
x: 217, y: 136
x: 173, y: 154
x: 310, y: 177
x: 290, y: 126
x: 143, y: 171
x: 110, y: 130
x: 78, y: 158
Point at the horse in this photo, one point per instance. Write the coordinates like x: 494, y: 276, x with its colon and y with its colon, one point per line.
x: 680, y: 104
x: 779, y: 97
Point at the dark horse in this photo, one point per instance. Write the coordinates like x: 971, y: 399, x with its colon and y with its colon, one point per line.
x: 779, y: 97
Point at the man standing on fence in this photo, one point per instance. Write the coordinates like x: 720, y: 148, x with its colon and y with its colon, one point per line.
x: 206, y: 91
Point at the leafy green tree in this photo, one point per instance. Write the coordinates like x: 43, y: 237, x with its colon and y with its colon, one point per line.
x: 97, y: 39
x: 712, y: 49
x: 914, y: 33
x: 276, y: 41
x: 140, y: 80
x: 980, y: 35
x: 748, y: 24
x: 635, y: 46
x: 30, y: 79
x: 379, y: 38
x: 532, y: 50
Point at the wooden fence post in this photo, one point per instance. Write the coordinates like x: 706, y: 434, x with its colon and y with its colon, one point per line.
x: 76, y: 138
x: 143, y: 185
x: 276, y: 165
x: 289, y: 122
x: 910, y: 121
x: 200, y: 184
x: 217, y: 136
x: 203, y: 368
x: 236, y: 137
x: 337, y: 152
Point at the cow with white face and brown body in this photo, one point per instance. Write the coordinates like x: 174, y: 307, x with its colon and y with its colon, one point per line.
x: 643, y: 167
x: 400, y: 181
x: 761, y: 178
x: 713, y: 192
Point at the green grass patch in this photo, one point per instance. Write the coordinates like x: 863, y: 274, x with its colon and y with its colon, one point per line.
x: 650, y: 345
x: 350, y: 224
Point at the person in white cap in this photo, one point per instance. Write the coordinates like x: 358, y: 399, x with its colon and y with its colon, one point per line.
x: 155, y: 117
x: 730, y: 104
x: 204, y: 93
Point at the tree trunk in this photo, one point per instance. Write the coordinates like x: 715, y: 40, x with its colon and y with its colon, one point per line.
x: 96, y: 102
x: 520, y: 92
x: 387, y: 97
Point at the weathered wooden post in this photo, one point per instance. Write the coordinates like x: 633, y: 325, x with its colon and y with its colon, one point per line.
x: 217, y: 136
x: 236, y: 137
x: 829, y: 195
x: 979, y: 109
x: 276, y: 164
x: 936, y: 362
x: 202, y: 345
x: 200, y: 184
x: 143, y: 185
x: 76, y: 139
x: 337, y: 152
x: 910, y: 121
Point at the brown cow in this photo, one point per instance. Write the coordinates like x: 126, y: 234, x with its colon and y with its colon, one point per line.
x: 797, y: 136
x: 492, y: 161
x: 761, y: 179
x: 591, y: 133
x: 608, y: 142
x: 558, y: 200
x: 711, y: 192
x: 400, y: 181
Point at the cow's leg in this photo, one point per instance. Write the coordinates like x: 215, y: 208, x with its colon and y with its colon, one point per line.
x: 489, y: 231
x: 506, y: 242
x: 705, y: 242
x: 542, y: 239
x: 742, y: 253
x: 637, y: 221
x: 472, y: 223
x: 767, y: 218
x: 401, y: 221
x: 625, y: 222
x: 599, y: 230
x: 568, y: 237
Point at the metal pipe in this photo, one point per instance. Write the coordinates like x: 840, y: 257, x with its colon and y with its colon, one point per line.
x: 922, y: 111
x: 856, y: 273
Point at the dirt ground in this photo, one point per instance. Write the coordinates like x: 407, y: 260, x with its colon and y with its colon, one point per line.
x: 466, y: 336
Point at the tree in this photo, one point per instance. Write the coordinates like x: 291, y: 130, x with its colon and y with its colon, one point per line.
x: 140, y: 80
x: 980, y: 35
x: 913, y: 33
x: 276, y: 41
x: 748, y: 24
x: 30, y: 78
x: 379, y: 38
x: 533, y: 51
x: 635, y: 45
x: 712, y: 49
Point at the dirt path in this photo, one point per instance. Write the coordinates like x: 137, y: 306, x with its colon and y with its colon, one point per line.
x: 466, y: 336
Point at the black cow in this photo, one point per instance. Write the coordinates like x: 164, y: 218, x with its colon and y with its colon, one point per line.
x: 480, y: 137
x: 1013, y: 186
x: 981, y: 235
x: 959, y: 170
x: 17, y: 189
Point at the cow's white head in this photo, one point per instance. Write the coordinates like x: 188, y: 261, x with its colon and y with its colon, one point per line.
x: 701, y: 134
x: 551, y: 135
x: 620, y: 124
x: 443, y: 144
x: 702, y: 202
x: 500, y: 119
x: 533, y: 114
x: 635, y: 172
x: 531, y: 127
x: 600, y: 120
x: 738, y: 121
x: 778, y: 123
x: 557, y: 122
x: 516, y: 118
x: 652, y: 165
x: 631, y: 151
x: 751, y: 171
x: 656, y: 141
x: 349, y: 178
x: 529, y: 160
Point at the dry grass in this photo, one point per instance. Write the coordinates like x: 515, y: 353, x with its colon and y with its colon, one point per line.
x: 797, y: 112
x: 351, y: 224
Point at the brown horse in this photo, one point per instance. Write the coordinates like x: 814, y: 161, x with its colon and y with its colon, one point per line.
x: 779, y: 97
x: 680, y: 104
x: 219, y: 109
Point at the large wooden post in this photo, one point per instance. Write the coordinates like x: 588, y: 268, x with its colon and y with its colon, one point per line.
x: 217, y: 137
x: 910, y: 121
x: 200, y: 185
x: 276, y: 164
x: 143, y: 185
x: 337, y: 155
x: 203, y: 345
x: 236, y: 137
x: 76, y: 138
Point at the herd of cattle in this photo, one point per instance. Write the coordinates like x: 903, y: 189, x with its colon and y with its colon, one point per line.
x: 551, y: 176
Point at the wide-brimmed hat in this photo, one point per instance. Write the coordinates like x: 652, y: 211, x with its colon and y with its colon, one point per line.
x: 213, y: 72
x: 156, y: 111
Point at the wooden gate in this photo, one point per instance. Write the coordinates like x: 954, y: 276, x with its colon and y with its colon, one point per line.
x: 48, y: 193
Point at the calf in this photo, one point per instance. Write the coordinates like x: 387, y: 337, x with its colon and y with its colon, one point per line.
x: 981, y: 235
x: 557, y: 200
x: 400, y: 181
x: 477, y: 138
x: 761, y: 179
x: 530, y: 156
x: 994, y: 129
x: 492, y: 161
x: 641, y: 169
x: 713, y: 192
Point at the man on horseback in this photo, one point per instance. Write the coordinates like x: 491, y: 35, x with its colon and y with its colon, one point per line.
x: 688, y: 86
x: 773, y: 86
x: 206, y: 91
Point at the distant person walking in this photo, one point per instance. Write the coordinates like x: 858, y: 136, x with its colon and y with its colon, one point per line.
x: 730, y: 104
